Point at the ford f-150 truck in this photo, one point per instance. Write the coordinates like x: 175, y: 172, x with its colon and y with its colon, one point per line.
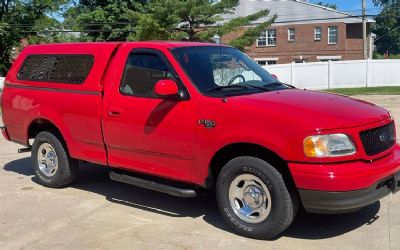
x: 183, y: 118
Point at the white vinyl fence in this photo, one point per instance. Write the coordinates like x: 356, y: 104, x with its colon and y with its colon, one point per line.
x: 2, y: 82
x: 340, y: 74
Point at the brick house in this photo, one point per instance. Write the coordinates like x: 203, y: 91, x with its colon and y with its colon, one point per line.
x: 303, y: 32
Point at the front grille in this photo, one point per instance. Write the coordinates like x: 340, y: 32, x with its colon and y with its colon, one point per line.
x: 378, y: 140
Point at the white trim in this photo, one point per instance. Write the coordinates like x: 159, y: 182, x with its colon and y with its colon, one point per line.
x: 329, y: 35
x: 294, y: 34
x: 267, y: 35
x: 266, y: 38
x: 329, y: 57
x: 266, y: 59
x: 315, y: 33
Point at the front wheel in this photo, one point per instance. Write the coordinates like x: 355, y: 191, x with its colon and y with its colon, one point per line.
x: 253, y: 198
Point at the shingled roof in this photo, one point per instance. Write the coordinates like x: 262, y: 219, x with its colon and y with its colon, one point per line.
x: 292, y: 11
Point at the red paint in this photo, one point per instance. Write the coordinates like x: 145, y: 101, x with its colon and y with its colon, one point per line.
x: 163, y: 136
x: 165, y: 88
x: 5, y: 134
x: 345, y: 176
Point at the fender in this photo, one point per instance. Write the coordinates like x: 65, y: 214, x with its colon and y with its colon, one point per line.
x: 201, y: 165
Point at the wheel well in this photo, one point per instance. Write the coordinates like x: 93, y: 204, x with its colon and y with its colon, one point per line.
x: 40, y: 125
x: 231, y: 151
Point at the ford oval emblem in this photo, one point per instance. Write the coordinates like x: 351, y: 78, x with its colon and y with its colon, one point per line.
x: 383, y: 137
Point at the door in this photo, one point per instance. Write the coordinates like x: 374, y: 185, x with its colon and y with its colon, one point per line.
x: 143, y: 132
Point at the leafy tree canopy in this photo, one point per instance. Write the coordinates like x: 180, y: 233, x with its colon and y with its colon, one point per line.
x: 194, y: 20
x: 105, y: 20
x: 197, y: 20
x: 332, y: 6
x: 19, y: 19
x: 388, y: 26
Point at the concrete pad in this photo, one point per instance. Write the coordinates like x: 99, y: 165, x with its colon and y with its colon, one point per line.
x: 98, y: 213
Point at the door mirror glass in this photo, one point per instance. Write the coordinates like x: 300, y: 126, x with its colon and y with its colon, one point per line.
x: 166, y: 89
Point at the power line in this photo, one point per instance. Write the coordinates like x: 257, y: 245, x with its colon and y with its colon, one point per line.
x: 134, y: 23
x: 127, y: 23
x: 80, y: 31
x: 61, y: 27
x: 379, y: 38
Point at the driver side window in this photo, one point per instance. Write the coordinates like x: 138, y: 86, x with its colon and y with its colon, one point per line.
x: 142, y: 72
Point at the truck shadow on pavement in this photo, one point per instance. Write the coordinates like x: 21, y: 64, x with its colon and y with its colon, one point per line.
x: 94, y: 178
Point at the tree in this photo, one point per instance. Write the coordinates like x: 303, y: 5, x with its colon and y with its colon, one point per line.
x: 388, y: 27
x: 194, y: 20
x: 112, y: 20
x: 197, y: 20
x: 20, y: 19
x: 332, y: 6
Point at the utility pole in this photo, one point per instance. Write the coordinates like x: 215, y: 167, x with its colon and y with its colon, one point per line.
x: 364, y: 24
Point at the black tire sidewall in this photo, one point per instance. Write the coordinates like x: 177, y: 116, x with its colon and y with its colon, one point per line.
x: 64, y: 174
x: 281, y: 214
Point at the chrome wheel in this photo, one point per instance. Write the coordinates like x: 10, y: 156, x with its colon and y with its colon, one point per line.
x: 250, y: 198
x: 47, y: 160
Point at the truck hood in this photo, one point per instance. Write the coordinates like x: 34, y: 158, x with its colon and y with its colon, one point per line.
x: 315, y: 110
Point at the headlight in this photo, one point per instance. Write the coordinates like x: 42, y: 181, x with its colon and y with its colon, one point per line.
x: 328, y: 145
x: 389, y: 112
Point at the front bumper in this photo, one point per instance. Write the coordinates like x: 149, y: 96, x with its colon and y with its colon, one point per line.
x: 346, y: 176
x: 346, y: 187
x: 345, y: 202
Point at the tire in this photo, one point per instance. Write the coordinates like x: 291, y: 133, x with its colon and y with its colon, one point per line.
x: 51, y: 163
x: 253, y: 198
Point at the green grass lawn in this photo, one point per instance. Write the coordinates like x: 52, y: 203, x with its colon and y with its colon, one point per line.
x: 367, y: 91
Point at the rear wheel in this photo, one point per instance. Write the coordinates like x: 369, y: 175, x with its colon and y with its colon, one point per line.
x: 253, y: 198
x: 51, y: 163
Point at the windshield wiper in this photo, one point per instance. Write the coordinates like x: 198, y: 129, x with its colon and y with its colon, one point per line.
x: 277, y: 84
x: 240, y: 85
x: 256, y: 87
x: 227, y: 87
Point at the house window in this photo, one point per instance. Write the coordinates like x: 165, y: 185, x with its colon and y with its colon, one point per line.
x: 332, y: 35
x: 267, y: 38
x: 262, y: 63
x: 266, y: 61
x: 271, y: 37
x: 329, y: 58
x: 317, y: 33
x: 262, y: 39
x: 291, y: 34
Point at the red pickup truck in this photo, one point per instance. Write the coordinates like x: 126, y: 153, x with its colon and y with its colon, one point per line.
x: 182, y: 118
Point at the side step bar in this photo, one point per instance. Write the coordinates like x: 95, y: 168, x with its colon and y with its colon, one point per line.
x: 187, y: 193
x: 24, y: 150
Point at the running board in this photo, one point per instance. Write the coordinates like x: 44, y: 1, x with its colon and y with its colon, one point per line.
x: 180, y: 192
x: 24, y: 150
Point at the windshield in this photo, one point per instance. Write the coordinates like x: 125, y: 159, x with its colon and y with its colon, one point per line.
x: 224, y: 70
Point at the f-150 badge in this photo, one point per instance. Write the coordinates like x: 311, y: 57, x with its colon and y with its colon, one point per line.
x: 207, y: 123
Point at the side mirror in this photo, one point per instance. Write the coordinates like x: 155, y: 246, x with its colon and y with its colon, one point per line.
x: 166, y: 89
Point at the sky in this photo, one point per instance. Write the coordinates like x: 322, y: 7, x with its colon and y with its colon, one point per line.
x: 352, y: 6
